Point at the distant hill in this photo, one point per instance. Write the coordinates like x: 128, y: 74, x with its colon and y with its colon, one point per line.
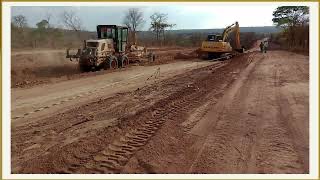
x: 262, y: 29
x: 55, y: 38
x: 204, y: 32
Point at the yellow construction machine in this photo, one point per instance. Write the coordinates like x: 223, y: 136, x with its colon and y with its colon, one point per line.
x: 216, y: 46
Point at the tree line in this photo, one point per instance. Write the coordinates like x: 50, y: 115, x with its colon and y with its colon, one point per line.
x: 72, y: 33
x: 294, y: 22
x: 45, y: 34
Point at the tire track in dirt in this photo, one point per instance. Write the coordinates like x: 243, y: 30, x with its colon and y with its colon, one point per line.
x: 76, y: 162
x: 249, y: 137
x: 120, y: 151
x: 117, y: 154
x: 25, y: 106
x: 199, y: 113
x: 212, y: 99
x: 215, y: 128
x: 281, y: 137
x: 276, y: 152
x: 212, y: 85
x: 253, y: 134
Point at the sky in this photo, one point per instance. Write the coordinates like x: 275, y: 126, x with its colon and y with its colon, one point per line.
x: 185, y: 16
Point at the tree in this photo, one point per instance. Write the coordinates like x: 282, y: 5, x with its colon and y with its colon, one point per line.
x: 44, y: 24
x: 40, y: 34
x: 134, y: 20
x: 71, y: 20
x: 287, y: 16
x: 295, y: 22
x: 19, y: 21
x: 159, y: 23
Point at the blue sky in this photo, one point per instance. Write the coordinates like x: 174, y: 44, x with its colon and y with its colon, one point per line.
x: 184, y: 16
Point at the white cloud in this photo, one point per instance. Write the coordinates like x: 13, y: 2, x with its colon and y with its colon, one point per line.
x: 219, y: 16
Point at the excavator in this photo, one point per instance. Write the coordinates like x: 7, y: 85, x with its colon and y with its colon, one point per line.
x: 216, y: 46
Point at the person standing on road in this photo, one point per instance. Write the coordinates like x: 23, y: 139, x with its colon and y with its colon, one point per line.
x: 261, y: 47
x: 265, y: 45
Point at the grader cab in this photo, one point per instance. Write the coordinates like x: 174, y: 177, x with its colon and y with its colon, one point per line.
x: 118, y: 34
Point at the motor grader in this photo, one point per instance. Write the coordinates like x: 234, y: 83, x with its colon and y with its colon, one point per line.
x: 110, y: 50
x: 217, y: 46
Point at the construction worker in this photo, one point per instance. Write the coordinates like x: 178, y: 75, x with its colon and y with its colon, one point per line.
x: 265, y: 45
x: 261, y: 47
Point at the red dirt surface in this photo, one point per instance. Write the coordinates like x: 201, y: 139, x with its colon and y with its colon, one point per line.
x: 32, y: 68
x: 245, y: 115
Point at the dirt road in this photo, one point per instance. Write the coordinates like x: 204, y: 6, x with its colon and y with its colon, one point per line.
x: 38, y: 67
x: 43, y: 100
x: 245, y: 115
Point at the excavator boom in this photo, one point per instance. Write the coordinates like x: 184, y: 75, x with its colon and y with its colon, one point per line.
x: 232, y: 28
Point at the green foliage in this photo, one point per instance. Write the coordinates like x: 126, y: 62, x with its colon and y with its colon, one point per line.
x: 286, y: 16
x: 44, y: 24
x: 41, y: 33
x: 294, y: 21
x: 159, y: 23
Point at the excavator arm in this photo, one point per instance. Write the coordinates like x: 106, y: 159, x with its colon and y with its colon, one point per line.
x: 232, y: 28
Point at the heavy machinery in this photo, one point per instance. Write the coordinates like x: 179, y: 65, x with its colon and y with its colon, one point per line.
x: 216, y: 46
x: 109, y: 51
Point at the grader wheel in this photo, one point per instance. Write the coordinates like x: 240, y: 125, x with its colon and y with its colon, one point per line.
x: 110, y: 63
x: 124, y: 62
x: 113, y: 64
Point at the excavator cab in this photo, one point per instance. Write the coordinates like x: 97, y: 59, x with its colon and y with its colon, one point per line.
x: 119, y: 35
x: 214, y: 38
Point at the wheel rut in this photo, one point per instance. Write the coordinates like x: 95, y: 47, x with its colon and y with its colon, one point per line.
x: 109, y: 149
x: 117, y: 154
x: 113, y: 158
x: 174, y: 108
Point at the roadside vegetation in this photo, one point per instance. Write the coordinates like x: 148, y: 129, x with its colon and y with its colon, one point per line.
x: 45, y: 35
x: 294, y: 24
